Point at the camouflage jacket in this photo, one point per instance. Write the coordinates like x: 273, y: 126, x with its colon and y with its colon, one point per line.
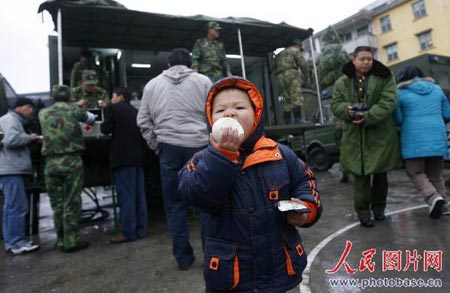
x: 61, y: 129
x: 79, y: 93
x: 289, y: 59
x: 208, y: 56
x: 75, y: 75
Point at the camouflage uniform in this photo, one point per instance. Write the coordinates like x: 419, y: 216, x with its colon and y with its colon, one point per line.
x: 80, y: 66
x: 98, y: 94
x: 63, y: 143
x: 75, y: 75
x: 89, y: 77
x: 286, y: 65
x: 209, y: 58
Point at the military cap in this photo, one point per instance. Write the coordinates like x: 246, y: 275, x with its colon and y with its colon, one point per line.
x: 22, y: 101
x: 89, y: 76
x: 214, y: 25
x: 61, y: 91
x: 297, y: 41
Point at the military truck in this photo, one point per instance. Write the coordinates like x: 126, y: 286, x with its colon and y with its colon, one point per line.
x: 319, y: 144
x: 123, y: 40
x: 432, y: 65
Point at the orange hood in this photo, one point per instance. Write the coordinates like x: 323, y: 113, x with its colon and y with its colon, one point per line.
x: 255, y: 97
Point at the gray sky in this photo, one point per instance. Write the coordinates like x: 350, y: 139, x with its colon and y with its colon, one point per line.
x: 24, y: 33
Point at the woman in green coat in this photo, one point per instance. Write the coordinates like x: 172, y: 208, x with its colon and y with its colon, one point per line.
x: 364, y: 99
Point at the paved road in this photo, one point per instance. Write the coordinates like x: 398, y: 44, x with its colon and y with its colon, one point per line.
x: 147, y: 265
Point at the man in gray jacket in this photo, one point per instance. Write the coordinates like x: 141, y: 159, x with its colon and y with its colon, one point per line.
x: 15, y: 162
x: 172, y: 121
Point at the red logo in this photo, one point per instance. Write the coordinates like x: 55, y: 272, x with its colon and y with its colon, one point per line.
x: 396, y: 260
x: 87, y: 127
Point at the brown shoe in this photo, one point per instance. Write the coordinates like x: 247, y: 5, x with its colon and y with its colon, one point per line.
x: 119, y: 239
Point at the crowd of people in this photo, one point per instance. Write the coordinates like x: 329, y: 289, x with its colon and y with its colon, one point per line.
x: 234, y: 180
x: 370, y: 101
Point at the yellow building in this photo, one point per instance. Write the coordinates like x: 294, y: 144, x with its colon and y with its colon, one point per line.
x: 408, y: 28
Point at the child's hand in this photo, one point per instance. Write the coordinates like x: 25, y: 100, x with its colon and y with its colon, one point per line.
x: 297, y: 219
x: 229, y: 140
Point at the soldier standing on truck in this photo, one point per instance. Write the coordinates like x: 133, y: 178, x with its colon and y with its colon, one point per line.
x: 286, y: 66
x: 88, y: 94
x: 84, y: 63
x: 208, y: 55
x: 63, y: 144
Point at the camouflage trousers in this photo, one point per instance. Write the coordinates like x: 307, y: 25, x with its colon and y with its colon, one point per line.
x: 64, y: 180
x: 291, y: 89
x: 214, y: 75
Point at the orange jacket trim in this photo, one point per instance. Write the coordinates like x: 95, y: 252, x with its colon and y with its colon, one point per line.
x: 190, y: 166
x: 311, y: 184
x: 289, y: 267
x: 299, y: 249
x: 313, y: 214
x: 265, y: 150
x: 214, y: 263
x: 233, y: 156
x: 236, y: 275
x: 273, y: 195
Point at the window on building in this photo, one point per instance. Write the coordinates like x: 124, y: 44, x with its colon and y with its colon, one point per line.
x: 425, y: 40
x: 419, y: 10
x: 345, y: 37
x: 391, y: 52
x: 364, y: 30
x: 385, y: 23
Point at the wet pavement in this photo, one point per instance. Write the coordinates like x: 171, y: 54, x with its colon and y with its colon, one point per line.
x: 404, y: 253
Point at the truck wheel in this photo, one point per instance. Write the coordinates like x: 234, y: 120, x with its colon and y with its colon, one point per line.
x: 319, y: 159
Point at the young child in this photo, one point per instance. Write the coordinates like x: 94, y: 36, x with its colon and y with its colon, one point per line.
x: 237, y: 182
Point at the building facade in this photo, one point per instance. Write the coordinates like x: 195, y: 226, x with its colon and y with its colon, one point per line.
x: 406, y: 29
x: 397, y: 30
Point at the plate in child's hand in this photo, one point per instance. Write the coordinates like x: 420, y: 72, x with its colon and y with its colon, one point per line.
x: 289, y: 205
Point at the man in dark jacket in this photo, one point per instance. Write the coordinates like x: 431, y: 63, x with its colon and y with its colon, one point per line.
x: 127, y: 160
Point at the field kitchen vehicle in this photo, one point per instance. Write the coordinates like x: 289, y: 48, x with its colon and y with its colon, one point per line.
x: 120, y: 38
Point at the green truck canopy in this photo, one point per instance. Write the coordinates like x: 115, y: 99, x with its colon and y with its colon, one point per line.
x: 108, y: 24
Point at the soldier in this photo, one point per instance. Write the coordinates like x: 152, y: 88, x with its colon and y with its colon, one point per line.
x: 84, y: 63
x: 208, y: 55
x: 63, y: 144
x: 286, y: 66
x: 88, y: 94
